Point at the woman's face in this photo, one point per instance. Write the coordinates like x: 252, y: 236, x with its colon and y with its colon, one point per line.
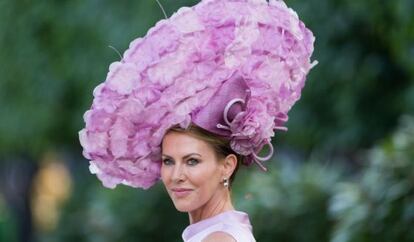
x: 190, y: 171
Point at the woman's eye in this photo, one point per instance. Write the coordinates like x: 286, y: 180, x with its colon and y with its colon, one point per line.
x: 167, y: 162
x: 192, y: 162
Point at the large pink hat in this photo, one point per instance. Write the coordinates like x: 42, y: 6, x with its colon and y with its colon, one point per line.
x: 233, y: 67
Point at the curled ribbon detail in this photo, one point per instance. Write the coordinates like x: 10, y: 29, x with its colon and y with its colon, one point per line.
x: 254, y: 156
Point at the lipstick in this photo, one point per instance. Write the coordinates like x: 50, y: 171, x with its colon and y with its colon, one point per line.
x: 181, y: 192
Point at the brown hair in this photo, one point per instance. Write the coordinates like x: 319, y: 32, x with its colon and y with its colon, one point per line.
x: 220, y: 144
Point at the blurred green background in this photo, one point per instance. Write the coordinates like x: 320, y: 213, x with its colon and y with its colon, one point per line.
x: 343, y: 173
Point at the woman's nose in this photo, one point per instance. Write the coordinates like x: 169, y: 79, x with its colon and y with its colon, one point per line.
x: 178, y: 173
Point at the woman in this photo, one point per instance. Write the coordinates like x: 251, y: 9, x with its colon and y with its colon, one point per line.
x: 197, y: 170
x: 216, y: 79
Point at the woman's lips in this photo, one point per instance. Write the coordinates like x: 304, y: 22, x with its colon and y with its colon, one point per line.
x: 181, y: 192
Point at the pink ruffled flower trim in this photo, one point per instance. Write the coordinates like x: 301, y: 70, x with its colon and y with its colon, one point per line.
x: 176, y: 69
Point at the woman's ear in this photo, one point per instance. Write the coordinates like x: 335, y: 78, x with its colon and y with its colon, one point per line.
x: 229, y: 165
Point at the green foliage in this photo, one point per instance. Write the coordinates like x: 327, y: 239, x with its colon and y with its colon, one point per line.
x: 365, y: 76
x: 380, y: 205
x: 95, y: 214
x: 290, y: 202
x: 320, y: 202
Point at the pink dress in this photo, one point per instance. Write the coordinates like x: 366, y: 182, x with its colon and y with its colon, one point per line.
x: 235, y: 223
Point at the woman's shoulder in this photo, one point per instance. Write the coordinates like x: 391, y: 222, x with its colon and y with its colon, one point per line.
x: 228, y: 226
x: 234, y: 227
x: 219, y: 236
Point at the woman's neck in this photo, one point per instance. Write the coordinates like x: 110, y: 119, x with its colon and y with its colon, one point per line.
x: 219, y: 203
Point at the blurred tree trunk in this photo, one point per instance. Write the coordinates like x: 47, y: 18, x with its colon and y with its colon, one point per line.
x: 16, y: 175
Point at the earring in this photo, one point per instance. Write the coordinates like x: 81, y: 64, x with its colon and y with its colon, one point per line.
x: 226, y: 182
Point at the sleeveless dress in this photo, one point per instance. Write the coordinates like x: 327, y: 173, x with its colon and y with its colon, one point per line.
x: 235, y: 223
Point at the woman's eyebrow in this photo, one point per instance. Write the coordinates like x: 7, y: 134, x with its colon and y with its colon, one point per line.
x: 184, y: 157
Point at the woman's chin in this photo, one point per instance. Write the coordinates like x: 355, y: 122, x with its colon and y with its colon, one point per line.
x: 183, y: 207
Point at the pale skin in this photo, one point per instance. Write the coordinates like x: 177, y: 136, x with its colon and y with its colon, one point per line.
x: 193, y: 176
